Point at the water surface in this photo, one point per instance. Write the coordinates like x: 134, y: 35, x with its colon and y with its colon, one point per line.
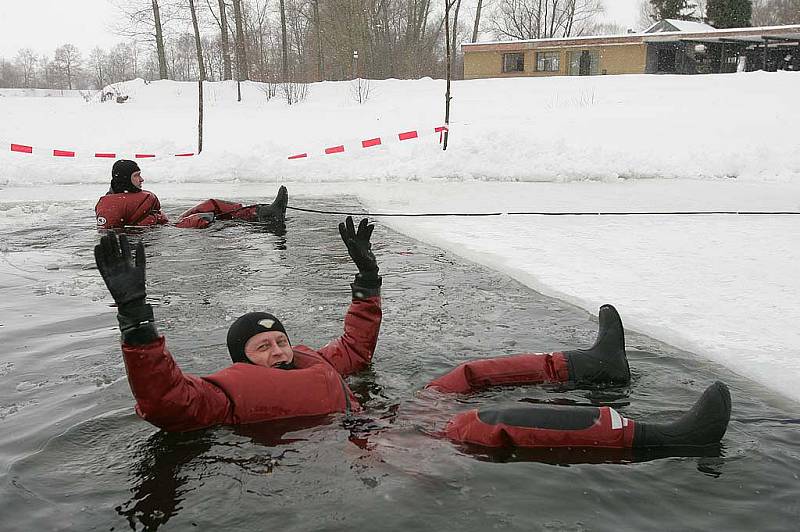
x: 73, y: 455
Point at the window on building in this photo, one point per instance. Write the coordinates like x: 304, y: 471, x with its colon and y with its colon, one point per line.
x: 513, y: 62
x: 584, y: 63
x: 547, y: 61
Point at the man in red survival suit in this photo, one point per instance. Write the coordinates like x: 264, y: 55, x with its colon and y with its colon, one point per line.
x: 126, y: 204
x: 268, y: 372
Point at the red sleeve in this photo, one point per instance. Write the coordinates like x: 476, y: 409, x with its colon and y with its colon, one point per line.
x: 107, y: 214
x: 152, y: 214
x: 517, y: 369
x: 168, y: 398
x: 353, y: 350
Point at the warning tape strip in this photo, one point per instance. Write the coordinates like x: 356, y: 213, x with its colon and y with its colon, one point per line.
x: 24, y: 148
x: 340, y: 148
x: 372, y: 142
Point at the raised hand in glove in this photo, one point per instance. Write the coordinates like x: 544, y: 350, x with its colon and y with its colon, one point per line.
x: 124, y: 278
x: 360, y: 249
x: 358, y: 245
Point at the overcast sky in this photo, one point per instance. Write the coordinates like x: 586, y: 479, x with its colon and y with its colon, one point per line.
x: 45, y: 24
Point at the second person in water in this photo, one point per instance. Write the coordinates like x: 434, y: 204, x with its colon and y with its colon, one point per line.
x: 127, y: 204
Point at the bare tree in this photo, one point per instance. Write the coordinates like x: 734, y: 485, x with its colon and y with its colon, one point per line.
x: 226, y: 56
x: 540, y: 19
x: 318, y: 29
x: 67, y: 63
x: 776, y: 12
x: 162, y: 61
x: 477, y: 25
x: 454, y: 34
x: 284, y: 45
x: 241, y: 50
x: 98, y: 61
x: 647, y: 14
x: 198, y: 45
x: 145, y: 21
x: 26, y: 61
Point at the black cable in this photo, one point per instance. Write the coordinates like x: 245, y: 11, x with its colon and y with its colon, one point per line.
x: 545, y: 213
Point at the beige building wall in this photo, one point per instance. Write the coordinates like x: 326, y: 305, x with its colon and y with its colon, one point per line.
x: 621, y: 59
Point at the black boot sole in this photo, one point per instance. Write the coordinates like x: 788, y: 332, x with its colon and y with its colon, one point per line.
x: 605, y: 363
x: 705, y: 424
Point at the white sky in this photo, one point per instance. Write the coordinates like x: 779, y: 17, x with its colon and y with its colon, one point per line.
x: 44, y: 25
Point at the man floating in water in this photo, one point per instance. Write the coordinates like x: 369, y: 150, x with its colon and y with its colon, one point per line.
x: 126, y: 204
x: 272, y: 379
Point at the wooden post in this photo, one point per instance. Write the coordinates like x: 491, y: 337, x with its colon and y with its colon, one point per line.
x: 200, y: 117
x: 447, y: 4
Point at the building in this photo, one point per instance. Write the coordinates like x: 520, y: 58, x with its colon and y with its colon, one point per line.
x: 667, y: 47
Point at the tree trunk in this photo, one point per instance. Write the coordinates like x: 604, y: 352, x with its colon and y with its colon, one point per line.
x: 226, y: 54
x: 320, y: 60
x: 284, y: 44
x: 162, y: 57
x: 477, y: 21
x: 241, y: 51
x: 453, y: 50
x: 201, y: 69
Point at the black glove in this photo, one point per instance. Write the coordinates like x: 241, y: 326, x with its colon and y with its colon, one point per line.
x: 125, y: 280
x: 360, y: 249
x: 358, y: 244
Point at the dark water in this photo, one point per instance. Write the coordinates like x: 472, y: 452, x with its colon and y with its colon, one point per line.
x: 73, y: 456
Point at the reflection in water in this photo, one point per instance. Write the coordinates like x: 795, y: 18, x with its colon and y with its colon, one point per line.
x: 168, y: 466
x: 159, y: 482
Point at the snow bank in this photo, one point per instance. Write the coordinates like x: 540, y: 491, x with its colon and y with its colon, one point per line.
x: 547, y: 129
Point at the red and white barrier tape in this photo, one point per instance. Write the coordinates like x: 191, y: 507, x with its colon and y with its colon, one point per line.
x: 24, y: 148
x: 341, y: 148
x: 372, y: 142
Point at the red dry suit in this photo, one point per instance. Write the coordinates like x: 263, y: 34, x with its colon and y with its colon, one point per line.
x: 143, y: 209
x: 528, y: 425
x: 129, y: 208
x: 246, y: 393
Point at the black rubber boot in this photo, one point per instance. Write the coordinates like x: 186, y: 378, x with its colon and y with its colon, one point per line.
x: 275, y: 211
x: 605, y: 363
x: 703, y: 425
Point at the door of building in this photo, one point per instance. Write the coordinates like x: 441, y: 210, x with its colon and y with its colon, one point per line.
x: 585, y: 63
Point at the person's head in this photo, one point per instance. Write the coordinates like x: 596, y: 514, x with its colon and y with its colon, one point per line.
x: 126, y: 176
x: 259, y: 338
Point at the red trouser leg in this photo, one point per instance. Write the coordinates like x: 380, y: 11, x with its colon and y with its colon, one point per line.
x: 536, y: 426
x: 223, y: 210
x: 536, y: 368
x: 195, y: 221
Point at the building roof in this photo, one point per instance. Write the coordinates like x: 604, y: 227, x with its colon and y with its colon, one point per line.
x: 671, y: 24
x: 791, y: 31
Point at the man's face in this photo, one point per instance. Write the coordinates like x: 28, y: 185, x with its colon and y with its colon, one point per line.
x: 137, y: 179
x: 269, y: 349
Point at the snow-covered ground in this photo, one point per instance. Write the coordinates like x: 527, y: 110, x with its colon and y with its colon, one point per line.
x: 724, y: 287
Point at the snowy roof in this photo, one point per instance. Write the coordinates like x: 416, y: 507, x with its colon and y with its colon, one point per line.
x: 671, y: 24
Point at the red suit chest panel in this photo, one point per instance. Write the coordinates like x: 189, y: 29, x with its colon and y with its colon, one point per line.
x: 260, y: 394
x: 134, y: 208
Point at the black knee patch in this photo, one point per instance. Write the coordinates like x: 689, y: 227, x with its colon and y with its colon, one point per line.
x: 541, y: 416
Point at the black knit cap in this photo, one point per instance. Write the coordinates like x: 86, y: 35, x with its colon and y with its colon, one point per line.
x: 247, y: 326
x: 121, y: 174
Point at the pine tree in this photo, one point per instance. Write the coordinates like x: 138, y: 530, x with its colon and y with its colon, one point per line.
x: 729, y: 13
x: 676, y: 9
